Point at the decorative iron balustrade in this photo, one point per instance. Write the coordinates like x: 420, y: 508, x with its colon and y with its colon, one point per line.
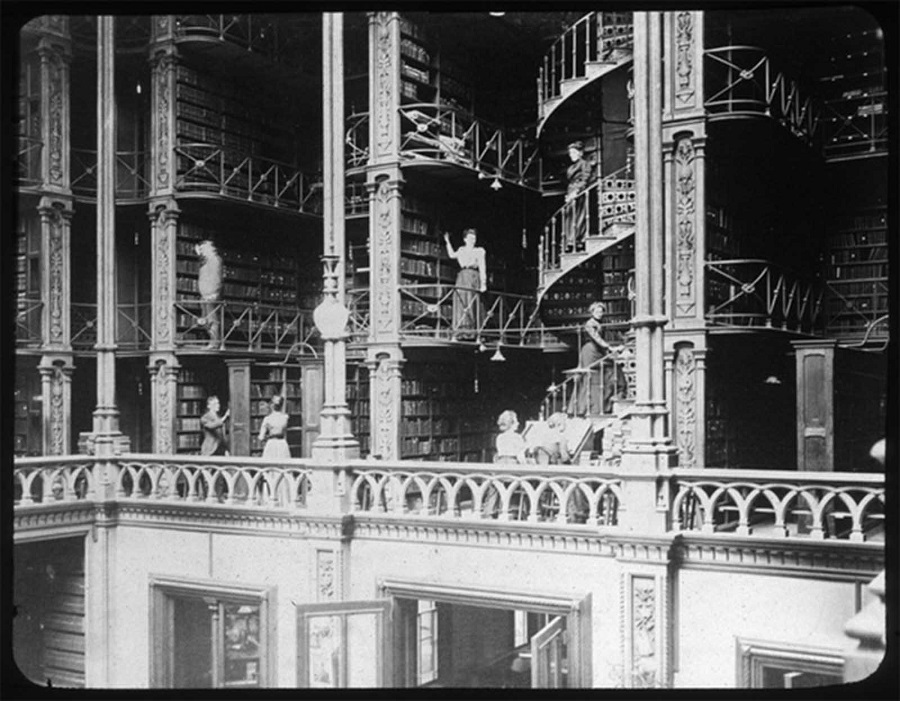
x: 447, y: 134
x: 211, y: 168
x: 592, y: 215
x: 863, y: 314
x: 132, y: 174
x: 253, y: 32
x: 498, y: 318
x: 742, y: 82
x: 598, y: 37
x: 779, y: 504
x: 758, y: 293
x: 29, y: 322
x: 28, y: 161
x: 357, y: 140
x: 242, y: 326
x: 244, y: 482
x: 855, y: 126
x: 526, y: 494
x: 133, y: 326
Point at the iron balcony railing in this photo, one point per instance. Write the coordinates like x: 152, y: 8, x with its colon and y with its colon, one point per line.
x: 211, y: 168
x: 855, y: 125
x: 591, y: 214
x: 741, y: 81
x: 280, y: 39
x: 497, y: 318
x: 759, y: 293
x: 242, y: 326
x: 133, y: 326
x: 28, y: 162
x: 440, y: 133
x: 597, y: 37
x: 29, y: 322
x: 132, y: 174
x: 712, y: 503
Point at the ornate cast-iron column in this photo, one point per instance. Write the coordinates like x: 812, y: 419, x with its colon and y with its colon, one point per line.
x: 648, y: 452
x: 335, y: 442
x: 163, y: 213
x: 55, y: 209
x: 385, y: 182
x: 106, y: 438
x: 643, y: 549
x: 684, y: 172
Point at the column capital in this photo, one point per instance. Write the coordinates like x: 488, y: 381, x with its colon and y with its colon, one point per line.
x: 61, y: 205
x: 163, y: 207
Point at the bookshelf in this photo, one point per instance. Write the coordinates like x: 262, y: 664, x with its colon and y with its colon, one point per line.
x: 359, y: 404
x: 193, y: 389
x: 441, y: 419
x: 427, y: 74
x: 857, y: 272
x: 249, y: 277
x: 265, y: 382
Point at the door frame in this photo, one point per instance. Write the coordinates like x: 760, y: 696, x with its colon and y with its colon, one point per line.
x: 164, y: 588
x: 576, y: 609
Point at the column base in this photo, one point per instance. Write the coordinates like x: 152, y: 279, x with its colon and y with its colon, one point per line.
x: 335, y: 449
x: 90, y: 443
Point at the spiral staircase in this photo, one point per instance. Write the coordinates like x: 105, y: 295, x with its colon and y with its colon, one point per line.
x: 591, y: 51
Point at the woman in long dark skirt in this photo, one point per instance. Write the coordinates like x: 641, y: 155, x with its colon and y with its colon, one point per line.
x: 471, y: 280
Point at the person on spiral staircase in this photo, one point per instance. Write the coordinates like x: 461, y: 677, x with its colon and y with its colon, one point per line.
x: 595, y: 390
x: 578, y: 176
x: 470, y: 281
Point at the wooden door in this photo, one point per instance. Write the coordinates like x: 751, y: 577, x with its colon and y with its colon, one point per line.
x: 548, y: 656
x: 344, y: 645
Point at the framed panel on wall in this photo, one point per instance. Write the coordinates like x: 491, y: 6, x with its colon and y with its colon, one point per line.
x: 767, y: 665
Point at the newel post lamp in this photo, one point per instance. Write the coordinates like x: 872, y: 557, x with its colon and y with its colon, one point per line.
x: 335, y: 442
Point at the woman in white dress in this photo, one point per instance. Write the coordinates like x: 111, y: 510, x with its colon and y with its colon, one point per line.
x: 274, y: 431
x: 471, y: 280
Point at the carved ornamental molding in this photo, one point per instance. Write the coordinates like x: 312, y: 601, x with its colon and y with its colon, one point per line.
x: 686, y: 406
x: 685, y: 85
x: 55, y: 117
x: 387, y: 402
x: 685, y: 215
x: 384, y: 80
x: 56, y: 277
x: 163, y: 79
x: 163, y: 220
x: 165, y: 382
x: 326, y: 575
x: 386, y: 263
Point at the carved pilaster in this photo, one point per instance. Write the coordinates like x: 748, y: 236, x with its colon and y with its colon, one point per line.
x: 56, y: 395
x: 686, y: 406
x: 55, y: 51
x: 385, y: 391
x: 327, y: 576
x: 384, y: 86
x: 56, y: 216
x: 164, y: 27
x: 646, y: 643
x: 164, y: 233
x: 163, y: 61
x: 684, y: 75
x: 164, y: 392
x: 384, y: 234
x: 685, y: 224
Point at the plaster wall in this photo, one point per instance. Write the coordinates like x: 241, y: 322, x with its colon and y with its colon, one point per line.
x: 717, y: 608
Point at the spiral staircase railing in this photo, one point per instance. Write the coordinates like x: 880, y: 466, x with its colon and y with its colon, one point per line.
x: 589, y: 48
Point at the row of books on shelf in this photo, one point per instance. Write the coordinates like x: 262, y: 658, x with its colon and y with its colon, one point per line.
x: 449, y: 446
x: 432, y: 407
x: 413, y: 224
x: 416, y: 73
x: 414, y: 50
x: 862, y: 304
x: 863, y: 237
x: 223, y: 97
x: 860, y: 270
x: 275, y: 384
x: 427, y: 268
x: 859, y: 255
x: 860, y: 222
x: 428, y: 426
x: 569, y: 296
x: 719, y: 217
x: 618, y: 261
x: 423, y: 248
x: 419, y: 388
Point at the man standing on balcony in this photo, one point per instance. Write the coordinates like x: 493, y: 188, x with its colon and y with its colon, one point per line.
x: 578, y: 176
x: 213, y: 425
x: 209, y: 285
x: 470, y: 281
